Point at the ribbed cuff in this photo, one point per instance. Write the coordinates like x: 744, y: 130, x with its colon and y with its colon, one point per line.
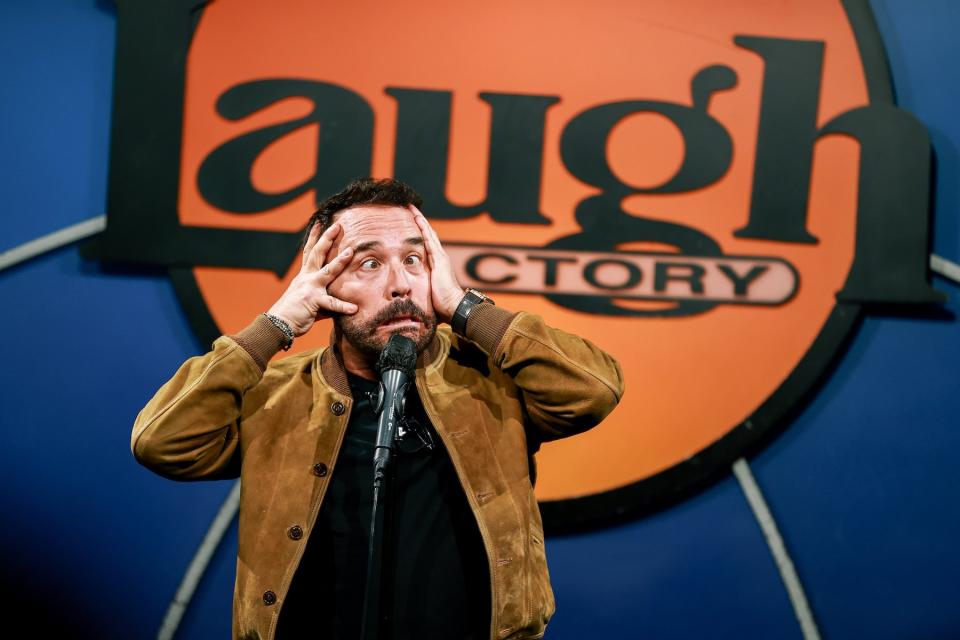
x: 486, y: 325
x: 261, y: 339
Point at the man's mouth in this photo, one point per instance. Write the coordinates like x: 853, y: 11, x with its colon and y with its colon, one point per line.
x: 397, y: 322
x: 401, y: 316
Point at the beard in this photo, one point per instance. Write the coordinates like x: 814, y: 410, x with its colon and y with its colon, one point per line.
x: 362, y: 335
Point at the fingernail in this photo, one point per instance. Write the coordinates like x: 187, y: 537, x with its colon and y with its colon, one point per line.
x: 346, y: 251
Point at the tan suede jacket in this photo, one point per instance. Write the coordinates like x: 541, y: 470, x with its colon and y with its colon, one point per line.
x: 492, y: 397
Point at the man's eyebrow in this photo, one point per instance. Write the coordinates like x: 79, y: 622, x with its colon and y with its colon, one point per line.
x: 373, y: 244
x: 363, y: 246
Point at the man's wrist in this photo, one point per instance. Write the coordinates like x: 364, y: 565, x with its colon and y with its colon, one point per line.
x: 261, y: 339
x: 283, y: 326
x: 450, y: 307
x: 471, y: 298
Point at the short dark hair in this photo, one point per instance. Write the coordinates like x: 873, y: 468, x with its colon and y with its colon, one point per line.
x: 363, y: 191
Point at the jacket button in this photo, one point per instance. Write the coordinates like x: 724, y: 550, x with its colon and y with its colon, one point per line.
x: 269, y: 597
x: 337, y: 408
x: 295, y: 532
x: 319, y: 469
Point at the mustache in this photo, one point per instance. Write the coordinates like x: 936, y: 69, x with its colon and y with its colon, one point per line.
x: 405, y: 307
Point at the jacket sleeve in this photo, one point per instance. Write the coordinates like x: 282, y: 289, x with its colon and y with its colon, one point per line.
x: 568, y: 384
x: 189, y: 429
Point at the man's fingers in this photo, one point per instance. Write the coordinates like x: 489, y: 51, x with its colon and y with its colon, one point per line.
x: 329, y: 272
x: 430, y: 240
x: 445, y: 287
x: 319, y: 251
x: 329, y: 304
x: 423, y: 223
x: 311, y: 242
x: 432, y: 233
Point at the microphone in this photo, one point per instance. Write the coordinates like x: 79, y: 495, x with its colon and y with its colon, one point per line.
x: 395, y: 366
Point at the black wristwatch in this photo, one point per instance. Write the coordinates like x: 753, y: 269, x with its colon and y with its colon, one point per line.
x: 471, y: 299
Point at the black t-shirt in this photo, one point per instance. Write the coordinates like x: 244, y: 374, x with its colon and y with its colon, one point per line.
x: 440, y: 586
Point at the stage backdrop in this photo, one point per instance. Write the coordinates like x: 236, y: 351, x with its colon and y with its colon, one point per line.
x: 738, y: 201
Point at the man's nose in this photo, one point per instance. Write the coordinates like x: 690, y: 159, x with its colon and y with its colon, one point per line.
x: 399, y: 283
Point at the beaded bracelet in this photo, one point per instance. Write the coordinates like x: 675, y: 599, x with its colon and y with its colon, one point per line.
x: 283, y: 326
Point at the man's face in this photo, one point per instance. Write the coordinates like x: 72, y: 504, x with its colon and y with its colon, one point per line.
x: 387, y: 278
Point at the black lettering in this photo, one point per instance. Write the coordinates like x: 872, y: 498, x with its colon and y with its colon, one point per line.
x: 634, y: 275
x: 893, y: 208
x: 515, y: 161
x: 742, y: 283
x: 787, y: 133
x: 707, y: 156
x: 550, y: 267
x: 693, y: 276
x: 473, y: 265
x: 708, y: 148
x: 893, y: 203
x: 343, y: 151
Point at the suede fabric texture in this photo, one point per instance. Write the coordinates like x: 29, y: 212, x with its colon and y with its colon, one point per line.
x: 492, y: 399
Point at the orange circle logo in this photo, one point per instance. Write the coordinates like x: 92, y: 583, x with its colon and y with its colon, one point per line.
x: 683, y: 183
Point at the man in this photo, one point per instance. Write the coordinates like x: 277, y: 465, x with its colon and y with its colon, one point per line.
x: 466, y: 555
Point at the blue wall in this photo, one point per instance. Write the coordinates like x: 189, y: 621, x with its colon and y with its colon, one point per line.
x: 863, y: 485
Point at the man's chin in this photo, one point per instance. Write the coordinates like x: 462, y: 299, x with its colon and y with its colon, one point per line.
x: 420, y: 335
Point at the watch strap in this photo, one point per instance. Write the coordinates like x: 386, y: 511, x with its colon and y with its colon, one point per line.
x: 471, y: 299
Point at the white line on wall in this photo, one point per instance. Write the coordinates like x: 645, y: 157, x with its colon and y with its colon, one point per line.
x: 199, y: 564
x: 52, y: 241
x: 945, y: 268
x: 769, y: 526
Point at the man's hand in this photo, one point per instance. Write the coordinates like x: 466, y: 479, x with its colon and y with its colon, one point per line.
x: 306, y: 299
x: 445, y: 290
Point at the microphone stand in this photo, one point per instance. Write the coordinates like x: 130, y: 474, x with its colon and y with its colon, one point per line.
x: 377, y: 598
x: 376, y: 601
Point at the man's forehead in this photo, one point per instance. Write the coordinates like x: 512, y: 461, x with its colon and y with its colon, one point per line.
x: 374, y: 221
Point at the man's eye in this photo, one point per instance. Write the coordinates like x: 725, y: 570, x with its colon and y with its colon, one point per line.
x: 414, y: 259
x: 369, y: 263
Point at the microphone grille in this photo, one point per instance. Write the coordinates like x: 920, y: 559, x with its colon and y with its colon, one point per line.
x: 400, y: 353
